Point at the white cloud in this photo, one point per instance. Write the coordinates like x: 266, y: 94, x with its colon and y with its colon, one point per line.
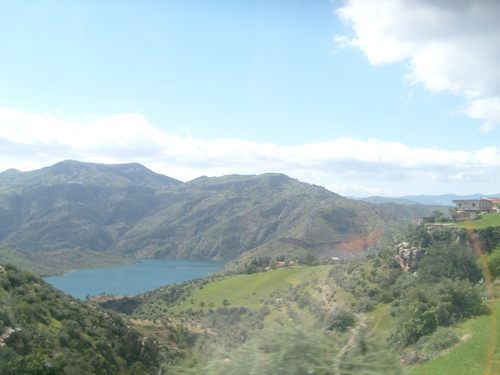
x: 451, y: 46
x: 129, y: 137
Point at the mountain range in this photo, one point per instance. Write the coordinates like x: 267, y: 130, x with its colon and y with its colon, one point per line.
x: 444, y: 199
x: 96, y: 212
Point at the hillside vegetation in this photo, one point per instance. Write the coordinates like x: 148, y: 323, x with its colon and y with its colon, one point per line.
x: 125, y: 210
x: 411, y: 306
x: 478, y: 351
x: 44, y: 331
x: 60, y: 261
x: 423, y: 304
x: 484, y: 220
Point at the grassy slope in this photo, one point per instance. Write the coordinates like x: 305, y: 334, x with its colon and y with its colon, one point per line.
x: 486, y: 220
x: 254, y: 291
x: 272, y: 290
x: 381, y: 324
x: 250, y: 291
x: 477, y: 353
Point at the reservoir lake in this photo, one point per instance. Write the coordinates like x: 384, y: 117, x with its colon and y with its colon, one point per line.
x: 134, y: 279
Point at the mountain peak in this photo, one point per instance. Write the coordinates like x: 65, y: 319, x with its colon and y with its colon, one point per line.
x: 11, y: 172
x: 72, y: 171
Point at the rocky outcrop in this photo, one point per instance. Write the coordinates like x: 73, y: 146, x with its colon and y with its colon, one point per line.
x: 408, y: 256
x: 11, y: 336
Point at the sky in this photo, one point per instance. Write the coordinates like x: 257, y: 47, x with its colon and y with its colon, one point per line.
x: 363, y: 97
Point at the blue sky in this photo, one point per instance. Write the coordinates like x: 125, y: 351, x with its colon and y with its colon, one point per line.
x: 364, y: 97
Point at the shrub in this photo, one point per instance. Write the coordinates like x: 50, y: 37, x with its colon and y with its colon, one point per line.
x: 449, y: 261
x: 265, y: 310
x: 303, y: 301
x: 442, y: 339
x: 493, y: 262
x: 339, y: 319
x: 425, y: 308
x: 386, y: 297
x: 365, y: 304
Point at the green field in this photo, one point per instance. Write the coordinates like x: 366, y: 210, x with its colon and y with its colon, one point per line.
x: 381, y: 324
x: 250, y: 290
x: 485, y: 220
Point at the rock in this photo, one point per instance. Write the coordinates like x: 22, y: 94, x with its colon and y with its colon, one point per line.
x: 408, y: 256
x: 12, y: 337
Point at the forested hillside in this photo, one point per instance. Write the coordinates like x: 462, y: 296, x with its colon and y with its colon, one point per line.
x: 76, y: 211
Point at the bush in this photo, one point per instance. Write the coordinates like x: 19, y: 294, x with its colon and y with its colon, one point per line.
x: 449, y: 261
x: 428, y: 347
x: 265, y: 310
x: 442, y: 339
x: 303, y: 301
x: 493, y: 262
x: 386, y: 297
x: 426, y: 308
x: 339, y: 319
x: 365, y: 304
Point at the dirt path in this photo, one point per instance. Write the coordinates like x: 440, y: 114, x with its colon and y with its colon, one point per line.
x: 351, y: 344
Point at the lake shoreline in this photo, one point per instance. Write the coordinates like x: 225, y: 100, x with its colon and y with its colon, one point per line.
x: 134, y: 279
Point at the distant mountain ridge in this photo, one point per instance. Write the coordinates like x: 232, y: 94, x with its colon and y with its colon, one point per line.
x: 72, y: 171
x: 126, y: 210
x: 444, y: 199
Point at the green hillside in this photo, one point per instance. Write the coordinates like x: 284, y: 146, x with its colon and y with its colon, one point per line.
x: 126, y: 210
x: 44, y: 331
x: 484, y: 220
x: 59, y: 262
x: 422, y: 305
x: 417, y: 306
x: 75, y: 172
x: 223, y: 218
x: 299, y: 311
x: 477, y: 353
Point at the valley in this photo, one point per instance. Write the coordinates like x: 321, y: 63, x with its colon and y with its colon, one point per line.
x: 314, y: 283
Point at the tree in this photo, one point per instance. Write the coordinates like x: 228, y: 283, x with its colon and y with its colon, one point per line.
x: 452, y: 261
x: 453, y: 213
x: 437, y: 217
x: 339, y: 319
x: 309, y: 259
x: 427, y: 307
x: 492, y: 261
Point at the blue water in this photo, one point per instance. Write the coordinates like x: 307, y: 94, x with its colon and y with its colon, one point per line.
x: 134, y: 279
